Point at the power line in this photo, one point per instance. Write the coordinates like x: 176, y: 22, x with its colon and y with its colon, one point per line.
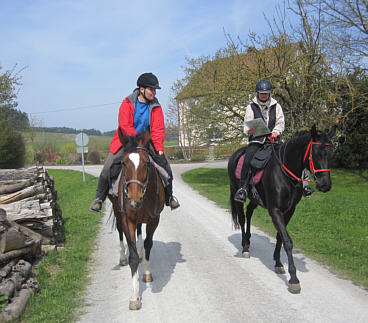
x: 76, y: 108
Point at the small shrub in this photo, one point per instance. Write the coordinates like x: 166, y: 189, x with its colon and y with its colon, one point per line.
x: 94, y: 157
x: 12, y: 148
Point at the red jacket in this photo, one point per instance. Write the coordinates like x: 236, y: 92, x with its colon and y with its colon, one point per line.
x: 126, y: 116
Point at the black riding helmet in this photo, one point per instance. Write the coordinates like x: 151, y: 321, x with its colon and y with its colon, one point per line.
x: 148, y: 80
x: 264, y: 86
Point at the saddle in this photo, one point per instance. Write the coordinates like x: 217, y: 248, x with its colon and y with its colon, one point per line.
x: 258, y: 163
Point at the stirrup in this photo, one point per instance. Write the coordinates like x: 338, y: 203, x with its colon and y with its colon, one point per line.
x: 174, y: 203
x: 96, y: 206
x: 241, y: 195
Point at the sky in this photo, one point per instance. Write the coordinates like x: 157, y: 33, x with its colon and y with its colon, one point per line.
x: 79, y: 59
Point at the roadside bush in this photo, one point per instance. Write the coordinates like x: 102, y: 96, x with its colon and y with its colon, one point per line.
x: 94, y: 157
x: 196, y: 158
x: 30, y: 155
x: 12, y: 148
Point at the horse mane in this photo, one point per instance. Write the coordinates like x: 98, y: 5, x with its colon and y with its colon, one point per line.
x: 300, y: 137
x: 132, y: 142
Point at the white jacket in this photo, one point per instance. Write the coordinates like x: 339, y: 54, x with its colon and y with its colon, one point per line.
x: 264, y: 107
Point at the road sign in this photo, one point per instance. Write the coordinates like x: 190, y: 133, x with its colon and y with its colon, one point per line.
x: 82, y: 149
x: 81, y: 139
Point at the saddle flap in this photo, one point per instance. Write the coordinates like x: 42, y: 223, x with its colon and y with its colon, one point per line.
x: 262, y: 157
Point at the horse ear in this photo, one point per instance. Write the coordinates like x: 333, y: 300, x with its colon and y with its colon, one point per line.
x: 123, y: 138
x: 332, y: 131
x: 147, y: 136
x: 314, y: 131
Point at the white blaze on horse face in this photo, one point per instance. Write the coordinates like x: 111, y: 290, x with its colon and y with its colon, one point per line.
x: 134, y: 157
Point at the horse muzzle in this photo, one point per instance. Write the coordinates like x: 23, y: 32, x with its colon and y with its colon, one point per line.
x: 323, y: 182
x: 135, y: 205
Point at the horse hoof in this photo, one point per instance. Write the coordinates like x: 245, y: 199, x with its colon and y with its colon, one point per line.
x: 294, y: 288
x: 123, y: 262
x: 280, y: 270
x: 147, y: 278
x: 246, y: 254
x: 135, y: 305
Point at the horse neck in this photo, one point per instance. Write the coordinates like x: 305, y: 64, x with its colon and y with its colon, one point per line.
x: 292, y: 155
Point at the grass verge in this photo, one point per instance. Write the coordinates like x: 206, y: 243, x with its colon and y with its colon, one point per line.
x: 331, y: 228
x: 63, y: 275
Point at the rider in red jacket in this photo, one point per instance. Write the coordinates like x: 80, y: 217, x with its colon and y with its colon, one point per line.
x: 138, y: 111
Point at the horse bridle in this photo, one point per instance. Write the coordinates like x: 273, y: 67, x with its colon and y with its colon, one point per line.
x: 143, y: 185
x: 310, y: 158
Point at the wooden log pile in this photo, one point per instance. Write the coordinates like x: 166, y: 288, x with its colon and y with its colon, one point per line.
x: 30, y: 224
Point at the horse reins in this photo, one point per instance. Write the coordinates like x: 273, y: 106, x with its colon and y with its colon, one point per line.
x: 310, y: 158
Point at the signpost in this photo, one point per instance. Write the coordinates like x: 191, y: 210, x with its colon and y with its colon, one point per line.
x: 81, y: 140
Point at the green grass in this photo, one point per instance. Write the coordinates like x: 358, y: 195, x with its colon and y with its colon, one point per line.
x: 63, y: 275
x: 331, y: 228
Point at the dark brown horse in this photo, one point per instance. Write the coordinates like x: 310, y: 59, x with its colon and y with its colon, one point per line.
x: 140, y: 200
x: 280, y: 189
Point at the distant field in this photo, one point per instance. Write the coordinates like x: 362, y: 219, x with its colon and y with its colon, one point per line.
x: 58, y: 140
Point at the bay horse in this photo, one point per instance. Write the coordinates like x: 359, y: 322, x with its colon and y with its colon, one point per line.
x: 140, y: 200
x: 280, y: 189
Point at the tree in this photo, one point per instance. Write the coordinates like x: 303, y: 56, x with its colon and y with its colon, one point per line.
x: 352, y: 151
x: 9, y: 82
x: 12, y: 148
x: 346, y: 25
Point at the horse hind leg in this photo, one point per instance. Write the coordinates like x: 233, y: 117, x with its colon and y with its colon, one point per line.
x: 123, y: 258
x: 246, y: 234
x: 139, y: 242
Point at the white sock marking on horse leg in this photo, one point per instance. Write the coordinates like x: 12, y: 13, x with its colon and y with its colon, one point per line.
x: 140, y: 246
x: 135, y: 290
x: 134, y: 157
x: 146, y: 266
x: 122, y: 251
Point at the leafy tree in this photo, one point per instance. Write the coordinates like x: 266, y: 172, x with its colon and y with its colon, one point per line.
x: 12, y: 148
x: 9, y: 82
x: 352, y: 151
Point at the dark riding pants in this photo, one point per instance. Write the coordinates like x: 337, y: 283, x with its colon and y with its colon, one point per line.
x: 104, y: 179
x: 251, y: 150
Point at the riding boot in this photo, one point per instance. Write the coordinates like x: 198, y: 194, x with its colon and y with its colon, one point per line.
x: 242, y: 192
x: 101, y: 193
x: 170, y: 200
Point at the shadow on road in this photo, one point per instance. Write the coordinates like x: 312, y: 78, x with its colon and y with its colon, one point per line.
x: 163, y: 260
x: 262, y: 248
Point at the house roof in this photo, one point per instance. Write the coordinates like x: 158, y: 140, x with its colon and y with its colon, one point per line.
x: 208, y: 78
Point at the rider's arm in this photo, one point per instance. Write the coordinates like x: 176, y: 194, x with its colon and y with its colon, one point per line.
x: 280, y: 121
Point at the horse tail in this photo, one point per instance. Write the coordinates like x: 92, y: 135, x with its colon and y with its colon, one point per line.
x: 231, y: 166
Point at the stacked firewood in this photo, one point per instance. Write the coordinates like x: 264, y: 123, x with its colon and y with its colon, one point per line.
x: 30, y: 224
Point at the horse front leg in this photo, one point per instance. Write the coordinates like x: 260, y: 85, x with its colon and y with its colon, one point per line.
x: 279, y: 268
x: 135, y: 301
x: 278, y: 221
x: 148, y: 243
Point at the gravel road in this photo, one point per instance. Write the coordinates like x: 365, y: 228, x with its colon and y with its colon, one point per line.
x: 200, y: 276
